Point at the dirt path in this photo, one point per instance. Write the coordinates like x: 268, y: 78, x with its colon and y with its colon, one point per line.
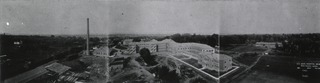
x: 258, y: 59
x: 241, y: 74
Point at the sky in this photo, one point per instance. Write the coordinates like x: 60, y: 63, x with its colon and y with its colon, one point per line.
x: 159, y: 17
x: 268, y: 17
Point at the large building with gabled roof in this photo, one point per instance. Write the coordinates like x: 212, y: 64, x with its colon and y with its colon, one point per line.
x: 206, y: 55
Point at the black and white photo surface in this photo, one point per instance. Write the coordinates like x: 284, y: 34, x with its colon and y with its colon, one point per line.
x: 159, y: 41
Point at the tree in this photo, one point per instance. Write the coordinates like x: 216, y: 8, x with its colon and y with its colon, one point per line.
x: 145, y: 53
x: 277, y: 46
x: 146, y: 56
x: 136, y: 39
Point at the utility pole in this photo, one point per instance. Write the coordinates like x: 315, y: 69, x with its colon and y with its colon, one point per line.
x: 88, y: 37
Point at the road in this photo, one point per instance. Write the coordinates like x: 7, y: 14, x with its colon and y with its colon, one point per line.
x: 255, y: 62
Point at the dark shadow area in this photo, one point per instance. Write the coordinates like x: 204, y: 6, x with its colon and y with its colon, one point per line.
x: 147, y: 57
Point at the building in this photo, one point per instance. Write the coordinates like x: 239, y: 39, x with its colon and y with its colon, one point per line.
x: 127, y: 41
x: 101, y: 51
x: 207, y: 55
x: 57, y: 68
x: 268, y: 44
x: 27, y: 76
x: 225, y: 62
x: 30, y: 75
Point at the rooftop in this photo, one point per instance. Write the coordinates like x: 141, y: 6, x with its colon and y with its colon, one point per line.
x: 268, y: 43
x: 203, y: 46
x: 57, y: 68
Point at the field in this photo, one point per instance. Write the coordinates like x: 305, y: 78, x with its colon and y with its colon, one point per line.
x: 236, y: 50
x: 270, y: 68
x: 193, y: 62
x: 267, y: 77
x: 247, y: 58
x: 245, y: 54
x: 278, y: 69
x: 180, y: 56
x: 243, y: 48
x: 278, y: 64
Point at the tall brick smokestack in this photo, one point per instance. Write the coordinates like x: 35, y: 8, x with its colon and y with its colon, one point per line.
x: 88, y: 37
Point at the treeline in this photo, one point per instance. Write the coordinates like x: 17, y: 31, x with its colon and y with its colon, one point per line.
x: 211, y: 40
x: 226, y: 40
x: 30, y: 46
x: 301, y: 45
x: 292, y: 44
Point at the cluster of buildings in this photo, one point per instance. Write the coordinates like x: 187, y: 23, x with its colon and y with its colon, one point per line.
x: 207, y: 55
x: 102, y: 51
x: 64, y: 74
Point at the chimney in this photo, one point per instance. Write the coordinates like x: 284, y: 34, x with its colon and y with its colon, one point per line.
x: 88, y: 37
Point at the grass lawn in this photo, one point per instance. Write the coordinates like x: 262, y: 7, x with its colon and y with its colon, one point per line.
x: 179, y: 56
x: 279, y: 65
x: 286, y: 66
x: 245, y: 48
x: 215, y: 73
x: 193, y: 62
x: 247, y: 58
x: 273, y: 69
x: 267, y: 77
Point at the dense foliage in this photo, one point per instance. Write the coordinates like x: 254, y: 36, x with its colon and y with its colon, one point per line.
x: 211, y: 40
